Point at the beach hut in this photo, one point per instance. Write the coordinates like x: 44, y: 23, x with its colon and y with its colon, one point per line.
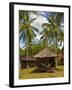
x: 27, y: 62
x: 46, y: 57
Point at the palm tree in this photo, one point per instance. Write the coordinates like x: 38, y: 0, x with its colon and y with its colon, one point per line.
x: 54, y: 27
x: 46, y: 34
x: 61, y: 38
x: 28, y: 32
x: 54, y: 24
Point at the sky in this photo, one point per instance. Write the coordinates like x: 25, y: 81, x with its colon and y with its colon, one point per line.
x: 40, y: 19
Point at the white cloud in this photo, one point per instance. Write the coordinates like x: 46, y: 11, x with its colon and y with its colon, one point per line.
x: 39, y: 21
x: 38, y: 37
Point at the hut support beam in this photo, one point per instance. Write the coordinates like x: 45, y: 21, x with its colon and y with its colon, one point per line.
x: 27, y: 64
x: 55, y: 63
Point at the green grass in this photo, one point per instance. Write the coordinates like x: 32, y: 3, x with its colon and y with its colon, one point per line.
x: 29, y: 74
x: 60, y: 68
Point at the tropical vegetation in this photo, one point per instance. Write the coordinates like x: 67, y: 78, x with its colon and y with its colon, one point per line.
x: 52, y: 33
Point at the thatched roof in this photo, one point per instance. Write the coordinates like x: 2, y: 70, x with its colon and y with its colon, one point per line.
x: 61, y: 55
x: 46, y: 52
x: 27, y: 59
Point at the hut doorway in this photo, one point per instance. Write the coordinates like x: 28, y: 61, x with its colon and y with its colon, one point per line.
x: 52, y: 62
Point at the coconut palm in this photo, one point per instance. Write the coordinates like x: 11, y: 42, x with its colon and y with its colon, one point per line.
x: 61, y: 38
x: 28, y: 32
x: 54, y: 25
x: 46, y: 35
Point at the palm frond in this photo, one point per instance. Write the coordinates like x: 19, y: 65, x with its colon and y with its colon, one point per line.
x: 22, y: 36
x: 22, y: 27
x: 35, y: 29
x: 32, y: 20
x: 42, y: 37
x: 59, y: 18
x: 46, y: 24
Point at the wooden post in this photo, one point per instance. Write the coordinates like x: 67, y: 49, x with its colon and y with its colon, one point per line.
x: 27, y: 64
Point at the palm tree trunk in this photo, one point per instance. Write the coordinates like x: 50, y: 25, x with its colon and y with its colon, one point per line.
x: 27, y: 58
x: 56, y: 52
x: 55, y: 37
x: 27, y: 54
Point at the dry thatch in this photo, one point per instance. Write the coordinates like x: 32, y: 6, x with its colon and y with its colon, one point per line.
x: 46, y: 52
x: 27, y: 59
